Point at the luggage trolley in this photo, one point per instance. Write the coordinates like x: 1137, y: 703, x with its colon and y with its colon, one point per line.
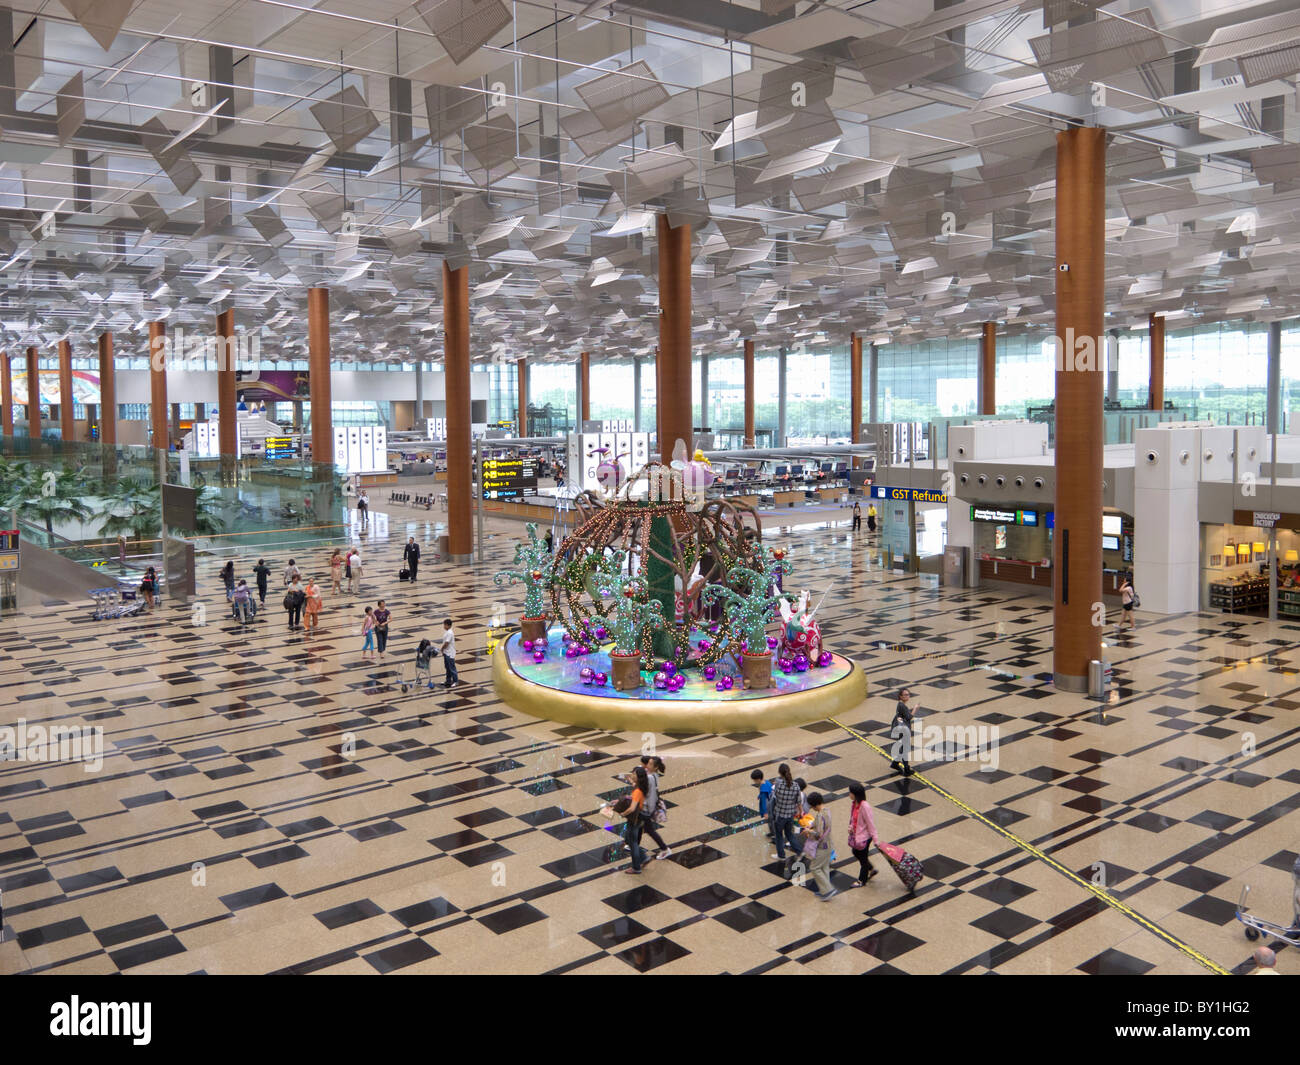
x: 1255, y: 926
x: 414, y: 676
x: 115, y: 602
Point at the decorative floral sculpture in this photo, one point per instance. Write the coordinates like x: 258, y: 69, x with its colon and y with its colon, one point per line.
x: 533, y: 564
x: 801, y: 634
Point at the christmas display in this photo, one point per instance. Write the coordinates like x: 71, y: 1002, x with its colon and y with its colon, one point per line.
x: 532, y: 567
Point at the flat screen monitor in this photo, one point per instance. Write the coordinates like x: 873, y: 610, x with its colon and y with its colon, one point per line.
x: 733, y: 475
x: 781, y: 471
x: 1111, y: 524
x: 827, y: 467
x: 748, y: 473
x: 796, y: 471
x: 841, y: 467
x: 1110, y: 543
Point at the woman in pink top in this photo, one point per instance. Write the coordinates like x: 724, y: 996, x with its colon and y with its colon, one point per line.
x: 368, y: 631
x: 862, y: 832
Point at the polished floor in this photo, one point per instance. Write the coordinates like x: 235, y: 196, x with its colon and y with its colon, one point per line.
x: 270, y: 803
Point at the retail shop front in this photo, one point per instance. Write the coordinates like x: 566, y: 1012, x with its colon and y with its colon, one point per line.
x: 1235, y: 563
x: 1013, y: 545
x: 913, y: 527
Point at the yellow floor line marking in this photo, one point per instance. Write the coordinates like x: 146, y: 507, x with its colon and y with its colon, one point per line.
x: 1028, y: 847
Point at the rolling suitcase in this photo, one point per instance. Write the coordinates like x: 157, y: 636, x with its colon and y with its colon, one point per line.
x: 404, y: 574
x: 908, y: 868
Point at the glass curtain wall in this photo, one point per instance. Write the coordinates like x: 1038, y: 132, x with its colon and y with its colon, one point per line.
x: 817, y: 396
x: 555, y: 383
x: 726, y: 395
x: 611, y: 391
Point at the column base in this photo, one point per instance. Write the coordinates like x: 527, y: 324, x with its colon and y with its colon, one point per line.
x: 461, y: 558
x: 1067, y: 683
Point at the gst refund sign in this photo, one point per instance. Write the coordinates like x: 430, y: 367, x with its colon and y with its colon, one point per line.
x: 908, y: 495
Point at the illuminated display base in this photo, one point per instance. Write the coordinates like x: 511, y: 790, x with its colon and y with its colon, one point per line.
x: 553, y: 689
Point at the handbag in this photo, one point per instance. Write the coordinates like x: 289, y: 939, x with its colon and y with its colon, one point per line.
x: 661, y: 813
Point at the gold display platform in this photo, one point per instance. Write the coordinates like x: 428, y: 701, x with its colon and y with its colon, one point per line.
x: 678, y: 714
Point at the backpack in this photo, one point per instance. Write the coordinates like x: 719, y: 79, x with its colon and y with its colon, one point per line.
x: 289, y: 602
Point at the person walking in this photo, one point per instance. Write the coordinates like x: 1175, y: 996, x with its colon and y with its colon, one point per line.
x: 228, y: 577
x: 448, y: 648
x: 354, y: 564
x: 241, y: 601
x: 293, y: 600
x: 121, y: 552
x: 900, y: 730
x: 654, y: 769
x: 412, y: 557
x: 635, y: 814
x: 1126, y: 596
x: 764, y: 800
x: 363, y: 507
x: 291, y: 573
x: 336, y: 572
x: 817, y: 838
x: 263, y: 574
x: 381, y: 616
x: 550, y: 542
x: 857, y: 516
x: 862, y: 832
x: 786, y: 800
x: 871, y: 517
x: 149, y: 586
x: 368, y: 631
x: 312, y: 603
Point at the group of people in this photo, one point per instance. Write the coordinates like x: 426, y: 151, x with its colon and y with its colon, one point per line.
x: 785, y: 805
x: 643, y: 811
x: 857, y: 516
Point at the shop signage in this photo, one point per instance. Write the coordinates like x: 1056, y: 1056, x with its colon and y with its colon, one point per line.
x: 913, y: 495
x: 1004, y: 517
x: 1266, y: 519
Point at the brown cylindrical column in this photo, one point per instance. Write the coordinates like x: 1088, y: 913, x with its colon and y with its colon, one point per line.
x: 158, y: 384
x: 6, y: 395
x: 107, y: 405
x: 67, y: 425
x: 318, y: 363
x: 855, y: 391
x: 33, y: 395
x: 675, y: 399
x: 1156, y: 346
x: 460, y: 504
x: 1080, y: 376
x: 659, y: 407
x: 988, y: 370
x: 227, y: 396
x: 749, y: 393
x: 521, y: 372
x: 584, y: 388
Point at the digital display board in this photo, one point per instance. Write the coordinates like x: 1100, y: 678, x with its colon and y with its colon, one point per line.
x: 280, y: 447
x: 1006, y: 517
x: 508, y: 478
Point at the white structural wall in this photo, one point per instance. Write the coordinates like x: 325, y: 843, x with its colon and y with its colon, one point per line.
x: 200, y: 386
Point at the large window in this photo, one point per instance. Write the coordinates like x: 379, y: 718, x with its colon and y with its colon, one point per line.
x: 817, y: 397
x: 555, y: 383
x: 611, y: 391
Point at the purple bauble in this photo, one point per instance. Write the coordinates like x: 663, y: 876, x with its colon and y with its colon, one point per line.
x: 710, y: 672
x: 602, y: 632
x: 587, y: 680
x: 601, y: 678
x: 727, y: 682
x: 680, y: 681
x: 528, y: 645
x: 661, y: 680
x: 670, y: 667
x: 714, y: 628
x: 825, y: 659
x: 785, y: 665
x: 772, y: 641
x: 566, y: 637
x: 801, y: 663
x: 721, y: 685
x: 586, y: 672
x: 569, y: 652
x: 539, y: 656
x: 705, y: 645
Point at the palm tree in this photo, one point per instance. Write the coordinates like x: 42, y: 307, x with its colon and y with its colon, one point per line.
x: 52, y: 496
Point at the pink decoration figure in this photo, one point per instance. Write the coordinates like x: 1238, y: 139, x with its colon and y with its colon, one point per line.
x: 801, y: 635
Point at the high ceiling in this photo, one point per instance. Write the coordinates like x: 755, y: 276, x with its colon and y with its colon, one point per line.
x: 876, y: 167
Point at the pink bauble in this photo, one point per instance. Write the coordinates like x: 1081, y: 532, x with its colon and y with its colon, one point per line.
x: 539, y: 656
x: 528, y: 645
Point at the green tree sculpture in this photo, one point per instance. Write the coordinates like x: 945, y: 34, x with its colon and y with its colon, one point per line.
x: 532, y: 567
x: 749, y: 612
x: 635, y: 615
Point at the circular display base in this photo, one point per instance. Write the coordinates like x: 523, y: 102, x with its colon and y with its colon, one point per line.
x: 553, y: 690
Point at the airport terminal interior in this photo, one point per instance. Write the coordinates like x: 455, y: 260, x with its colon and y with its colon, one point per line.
x: 751, y: 486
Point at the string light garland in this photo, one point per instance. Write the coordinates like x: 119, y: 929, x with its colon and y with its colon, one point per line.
x: 533, y: 566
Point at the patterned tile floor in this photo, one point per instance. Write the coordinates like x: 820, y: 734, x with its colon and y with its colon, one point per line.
x: 269, y: 803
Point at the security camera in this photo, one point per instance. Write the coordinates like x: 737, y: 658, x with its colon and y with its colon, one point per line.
x: 1152, y: 458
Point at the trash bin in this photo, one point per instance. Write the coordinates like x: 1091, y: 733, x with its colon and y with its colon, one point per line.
x: 444, y: 545
x: 1098, y: 677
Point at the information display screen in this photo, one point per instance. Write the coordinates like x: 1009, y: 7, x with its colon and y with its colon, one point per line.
x: 508, y: 478
x: 281, y: 447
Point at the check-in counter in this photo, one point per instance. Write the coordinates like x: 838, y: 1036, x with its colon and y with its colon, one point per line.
x: 374, y: 480
x: 1018, y: 571
x: 784, y: 498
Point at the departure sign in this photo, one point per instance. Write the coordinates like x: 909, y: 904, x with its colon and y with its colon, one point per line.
x: 508, y: 478
x: 281, y: 447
